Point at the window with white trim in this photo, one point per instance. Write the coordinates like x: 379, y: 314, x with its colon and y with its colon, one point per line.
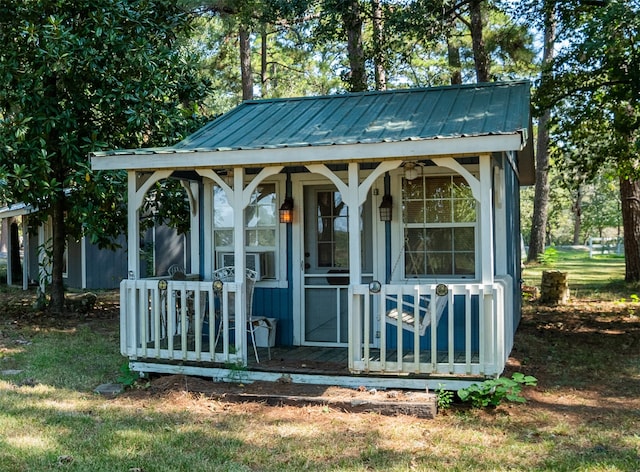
x: 440, y: 227
x: 260, y: 227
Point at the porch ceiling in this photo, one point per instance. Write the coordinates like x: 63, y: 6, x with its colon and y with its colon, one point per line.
x: 407, y: 123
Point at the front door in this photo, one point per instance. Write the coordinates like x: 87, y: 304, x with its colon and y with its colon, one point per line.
x: 325, y: 277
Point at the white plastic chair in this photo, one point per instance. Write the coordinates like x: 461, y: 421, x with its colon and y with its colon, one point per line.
x: 228, y: 274
x: 176, y: 272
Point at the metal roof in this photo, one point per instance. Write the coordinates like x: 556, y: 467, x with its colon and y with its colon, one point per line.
x: 309, y: 123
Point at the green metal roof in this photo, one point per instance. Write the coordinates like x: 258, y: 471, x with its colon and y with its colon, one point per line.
x: 395, y: 124
x: 368, y: 117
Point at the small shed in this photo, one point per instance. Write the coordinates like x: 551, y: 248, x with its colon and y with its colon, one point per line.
x: 383, y: 227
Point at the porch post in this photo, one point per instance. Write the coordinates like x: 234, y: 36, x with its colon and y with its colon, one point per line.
x: 355, y: 264
x: 239, y: 261
x: 6, y: 229
x: 24, y: 221
x: 486, y: 219
x: 207, y: 223
x: 196, y: 231
x: 488, y: 295
x: 133, y: 227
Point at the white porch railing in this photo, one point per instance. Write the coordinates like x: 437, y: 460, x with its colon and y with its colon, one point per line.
x: 473, y: 335
x: 178, y: 320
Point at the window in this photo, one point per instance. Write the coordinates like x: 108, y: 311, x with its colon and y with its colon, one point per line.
x: 260, y: 225
x: 439, y: 215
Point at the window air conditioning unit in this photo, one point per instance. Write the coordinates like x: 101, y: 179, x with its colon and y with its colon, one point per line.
x: 253, y: 261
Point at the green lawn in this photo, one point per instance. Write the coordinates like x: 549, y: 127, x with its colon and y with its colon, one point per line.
x: 600, y: 276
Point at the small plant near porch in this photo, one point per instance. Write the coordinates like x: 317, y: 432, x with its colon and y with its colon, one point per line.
x: 492, y: 392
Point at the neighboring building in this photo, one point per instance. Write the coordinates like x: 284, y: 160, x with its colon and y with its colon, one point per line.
x: 433, y: 176
x: 86, y: 265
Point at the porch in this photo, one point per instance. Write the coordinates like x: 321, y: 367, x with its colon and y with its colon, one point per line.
x: 184, y: 326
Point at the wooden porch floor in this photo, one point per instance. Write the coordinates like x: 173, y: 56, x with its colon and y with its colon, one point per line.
x: 325, y: 360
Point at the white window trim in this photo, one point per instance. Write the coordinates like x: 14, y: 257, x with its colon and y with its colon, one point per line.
x: 397, y: 231
x: 281, y: 235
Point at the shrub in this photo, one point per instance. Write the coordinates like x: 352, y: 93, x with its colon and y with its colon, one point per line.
x: 492, y: 392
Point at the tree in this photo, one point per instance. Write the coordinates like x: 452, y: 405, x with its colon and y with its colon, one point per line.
x: 84, y: 75
x: 595, y: 78
x: 541, y: 198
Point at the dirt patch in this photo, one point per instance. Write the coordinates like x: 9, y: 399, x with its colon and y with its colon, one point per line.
x: 361, y: 399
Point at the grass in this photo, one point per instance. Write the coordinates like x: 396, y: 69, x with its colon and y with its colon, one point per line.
x: 583, y: 416
x: 600, y: 276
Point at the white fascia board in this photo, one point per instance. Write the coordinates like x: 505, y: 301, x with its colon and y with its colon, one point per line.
x: 311, y: 154
x: 16, y: 210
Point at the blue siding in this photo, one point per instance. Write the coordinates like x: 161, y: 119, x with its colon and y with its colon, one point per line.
x: 106, y: 268
x: 170, y: 248
x: 276, y: 303
x: 514, y: 261
x: 459, y: 327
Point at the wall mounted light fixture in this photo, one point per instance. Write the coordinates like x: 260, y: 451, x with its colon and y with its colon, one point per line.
x: 386, y: 208
x: 286, y: 210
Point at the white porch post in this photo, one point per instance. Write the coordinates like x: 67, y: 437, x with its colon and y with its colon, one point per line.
x: 355, y: 263
x: 486, y: 219
x: 239, y: 260
x: 24, y: 221
x: 486, y: 253
x: 207, y: 223
x: 133, y: 227
x: 6, y: 229
x: 195, y: 226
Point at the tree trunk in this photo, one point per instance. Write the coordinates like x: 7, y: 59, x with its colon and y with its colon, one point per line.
x: 577, y: 216
x: 542, y: 190
x: 630, y: 197
x: 245, y: 64
x: 455, y: 65
x: 480, y: 56
x: 378, y: 44
x: 56, y: 303
x: 264, y: 79
x: 541, y: 199
x: 352, y: 20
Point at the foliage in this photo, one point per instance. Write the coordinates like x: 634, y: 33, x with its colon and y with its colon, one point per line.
x: 445, y: 398
x: 492, y: 392
x: 237, y: 372
x: 81, y: 76
x: 127, y: 377
x: 549, y: 257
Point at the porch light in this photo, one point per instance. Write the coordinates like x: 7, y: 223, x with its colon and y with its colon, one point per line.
x: 286, y: 210
x: 386, y: 208
x: 410, y: 171
x: 217, y: 285
x: 162, y: 284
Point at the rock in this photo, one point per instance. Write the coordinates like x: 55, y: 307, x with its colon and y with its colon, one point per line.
x: 109, y: 389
